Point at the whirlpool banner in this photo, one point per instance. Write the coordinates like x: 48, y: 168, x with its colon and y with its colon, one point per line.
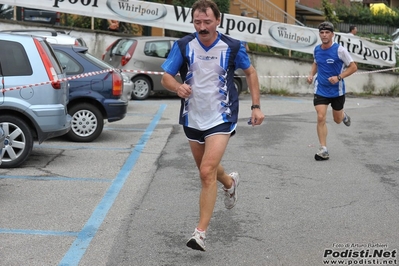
x: 296, y: 38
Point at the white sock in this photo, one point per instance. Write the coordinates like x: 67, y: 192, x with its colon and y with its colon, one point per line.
x: 231, y: 190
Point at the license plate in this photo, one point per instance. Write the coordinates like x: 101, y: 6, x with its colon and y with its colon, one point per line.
x: 39, y: 19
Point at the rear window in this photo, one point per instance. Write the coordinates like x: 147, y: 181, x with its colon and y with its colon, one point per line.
x: 157, y: 48
x: 122, y: 47
x: 71, y: 66
x: 97, y: 62
x: 14, y: 60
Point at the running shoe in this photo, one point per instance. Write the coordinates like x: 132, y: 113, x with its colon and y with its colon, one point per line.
x: 322, y: 155
x: 230, y: 195
x: 197, y: 241
x: 347, y: 120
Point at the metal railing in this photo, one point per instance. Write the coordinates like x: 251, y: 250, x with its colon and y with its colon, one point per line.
x: 266, y: 10
x: 369, y: 28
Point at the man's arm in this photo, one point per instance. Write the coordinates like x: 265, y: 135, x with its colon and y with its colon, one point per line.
x: 313, y: 72
x: 253, y: 85
x: 171, y: 84
x: 352, y: 68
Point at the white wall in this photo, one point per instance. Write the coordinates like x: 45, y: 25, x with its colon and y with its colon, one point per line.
x: 274, y: 72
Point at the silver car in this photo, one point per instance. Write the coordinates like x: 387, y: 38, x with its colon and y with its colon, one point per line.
x: 141, y: 58
x: 33, y: 105
x: 128, y: 87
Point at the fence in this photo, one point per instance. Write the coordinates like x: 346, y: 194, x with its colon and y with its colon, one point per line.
x: 374, y: 29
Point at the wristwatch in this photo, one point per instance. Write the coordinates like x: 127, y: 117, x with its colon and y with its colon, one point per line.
x: 255, y: 106
x: 339, y: 78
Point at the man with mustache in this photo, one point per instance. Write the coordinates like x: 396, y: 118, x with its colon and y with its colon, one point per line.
x: 206, y: 61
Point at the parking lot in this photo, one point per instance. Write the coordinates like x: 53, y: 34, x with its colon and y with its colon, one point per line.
x: 130, y: 197
x: 65, y: 189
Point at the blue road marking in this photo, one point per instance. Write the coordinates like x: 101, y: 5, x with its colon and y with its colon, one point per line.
x: 81, y: 243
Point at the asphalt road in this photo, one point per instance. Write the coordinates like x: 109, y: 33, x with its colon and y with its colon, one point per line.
x: 131, y: 197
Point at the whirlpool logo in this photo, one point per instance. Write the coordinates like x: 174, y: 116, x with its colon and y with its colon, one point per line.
x: 298, y: 38
x: 137, y: 10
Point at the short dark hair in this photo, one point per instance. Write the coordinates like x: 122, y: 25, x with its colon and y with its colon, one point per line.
x: 326, y: 25
x: 351, y: 28
x: 202, y: 5
x: 244, y: 13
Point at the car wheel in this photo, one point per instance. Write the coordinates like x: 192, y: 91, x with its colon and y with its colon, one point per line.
x: 142, y: 88
x: 237, y: 85
x: 18, y: 142
x: 87, y: 122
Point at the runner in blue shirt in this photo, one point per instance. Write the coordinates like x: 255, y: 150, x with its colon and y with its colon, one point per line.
x: 332, y: 63
x: 206, y: 61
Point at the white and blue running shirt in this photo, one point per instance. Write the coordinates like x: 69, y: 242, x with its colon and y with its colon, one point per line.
x: 330, y: 62
x: 210, y: 73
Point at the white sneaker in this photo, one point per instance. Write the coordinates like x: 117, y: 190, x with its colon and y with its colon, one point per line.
x: 322, y: 155
x: 197, y: 241
x: 230, y: 195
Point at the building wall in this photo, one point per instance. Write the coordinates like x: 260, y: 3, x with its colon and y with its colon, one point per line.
x: 287, y: 6
x: 394, y: 4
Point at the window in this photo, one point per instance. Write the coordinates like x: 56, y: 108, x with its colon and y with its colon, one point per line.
x: 157, y: 49
x: 14, y: 60
x: 122, y: 47
x: 71, y: 66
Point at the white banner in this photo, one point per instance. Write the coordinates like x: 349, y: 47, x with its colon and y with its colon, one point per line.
x: 292, y: 37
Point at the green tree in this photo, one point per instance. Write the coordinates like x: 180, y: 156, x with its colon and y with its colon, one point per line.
x: 329, y: 12
x: 358, y: 13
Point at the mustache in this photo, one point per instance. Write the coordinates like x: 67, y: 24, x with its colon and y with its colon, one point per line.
x: 203, y: 32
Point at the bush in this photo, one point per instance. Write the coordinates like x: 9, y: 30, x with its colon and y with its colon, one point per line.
x: 357, y: 13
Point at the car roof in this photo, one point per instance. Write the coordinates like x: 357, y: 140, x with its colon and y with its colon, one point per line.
x: 84, y: 61
x: 51, y: 36
x: 10, y: 36
x: 70, y: 46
